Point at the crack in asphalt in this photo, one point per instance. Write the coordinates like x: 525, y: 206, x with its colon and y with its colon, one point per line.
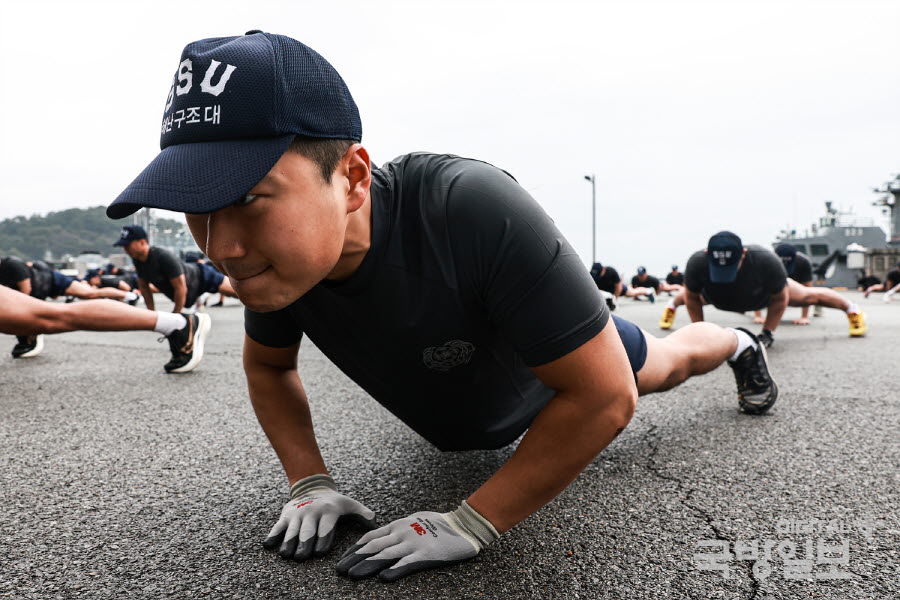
x: 683, y: 487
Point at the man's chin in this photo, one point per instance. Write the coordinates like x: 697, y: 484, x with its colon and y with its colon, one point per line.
x: 267, y: 302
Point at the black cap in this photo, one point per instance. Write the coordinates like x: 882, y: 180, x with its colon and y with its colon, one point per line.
x: 234, y: 106
x: 723, y: 253
x: 129, y: 234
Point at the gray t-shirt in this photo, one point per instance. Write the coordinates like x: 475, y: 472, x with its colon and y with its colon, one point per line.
x: 467, y: 283
x: 760, y: 276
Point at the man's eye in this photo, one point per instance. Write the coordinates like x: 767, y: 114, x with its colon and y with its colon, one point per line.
x: 246, y: 200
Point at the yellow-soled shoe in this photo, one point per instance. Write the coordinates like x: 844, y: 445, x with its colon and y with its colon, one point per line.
x: 858, y: 326
x: 668, y: 318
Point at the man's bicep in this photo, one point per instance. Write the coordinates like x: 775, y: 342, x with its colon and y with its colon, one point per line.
x: 257, y: 355
x: 178, y: 281
x: 600, y: 365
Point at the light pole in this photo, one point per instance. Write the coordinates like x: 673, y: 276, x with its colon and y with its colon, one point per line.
x: 593, y: 179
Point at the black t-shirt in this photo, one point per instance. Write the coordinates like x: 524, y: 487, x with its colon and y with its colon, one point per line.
x: 467, y: 282
x: 891, y: 279
x: 607, y: 280
x: 760, y: 276
x: 867, y: 281
x: 802, y: 272
x: 673, y: 279
x: 649, y: 282
x: 110, y: 281
x: 14, y: 270
x: 161, y: 266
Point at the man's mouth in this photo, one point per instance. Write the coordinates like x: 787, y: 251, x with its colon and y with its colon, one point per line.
x: 245, y: 274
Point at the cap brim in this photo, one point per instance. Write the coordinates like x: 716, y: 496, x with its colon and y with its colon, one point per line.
x: 201, y: 177
x: 723, y: 274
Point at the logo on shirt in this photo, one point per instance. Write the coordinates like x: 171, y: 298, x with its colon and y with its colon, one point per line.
x: 452, y: 354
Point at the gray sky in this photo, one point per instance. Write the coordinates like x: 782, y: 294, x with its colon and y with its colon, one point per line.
x: 696, y: 116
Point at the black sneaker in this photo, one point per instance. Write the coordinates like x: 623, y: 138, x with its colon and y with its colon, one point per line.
x: 757, y: 390
x: 28, y: 346
x: 187, y: 344
x: 766, y: 338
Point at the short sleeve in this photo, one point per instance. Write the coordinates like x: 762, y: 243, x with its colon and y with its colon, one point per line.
x: 696, y: 272
x: 276, y: 329
x: 169, y: 265
x: 635, y: 282
x: 775, y: 275
x: 533, y: 285
x: 612, y: 275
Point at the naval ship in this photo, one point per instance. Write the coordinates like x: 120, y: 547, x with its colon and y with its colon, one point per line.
x: 842, y: 248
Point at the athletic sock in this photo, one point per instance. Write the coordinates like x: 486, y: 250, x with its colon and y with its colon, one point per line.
x: 166, y: 323
x: 744, y: 341
x: 671, y: 304
x: 853, y: 308
x: 130, y: 296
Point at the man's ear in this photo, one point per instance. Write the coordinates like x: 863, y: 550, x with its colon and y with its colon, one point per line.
x: 357, y: 169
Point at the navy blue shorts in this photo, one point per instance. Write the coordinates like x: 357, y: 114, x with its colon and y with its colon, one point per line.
x: 211, y: 278
x: 634, y: 341
x: 60, y: 284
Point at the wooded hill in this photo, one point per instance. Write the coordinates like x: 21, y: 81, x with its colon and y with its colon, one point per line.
x: 69, y: 231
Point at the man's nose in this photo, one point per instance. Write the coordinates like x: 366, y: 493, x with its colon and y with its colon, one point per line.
x: 223, y: 236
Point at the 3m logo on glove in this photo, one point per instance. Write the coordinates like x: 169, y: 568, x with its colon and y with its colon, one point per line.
x: 418, y: 528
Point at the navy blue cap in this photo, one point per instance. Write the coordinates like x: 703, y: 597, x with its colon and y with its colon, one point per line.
x: 723, y: 253
x: 674, y: 267
x: 788, y: 254
x: 641, y: 270
x: 234, y: 107
x: 91, y: 273
x: 129, y: 234
x: 192, y: 256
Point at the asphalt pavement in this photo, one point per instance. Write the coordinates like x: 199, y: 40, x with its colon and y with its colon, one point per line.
x: 120, y: 481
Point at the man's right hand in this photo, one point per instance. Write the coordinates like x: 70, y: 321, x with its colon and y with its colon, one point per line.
x: 307, y: 523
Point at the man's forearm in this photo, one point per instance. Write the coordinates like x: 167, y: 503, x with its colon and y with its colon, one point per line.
x: 179, y: 297
x: 562, y: 441
x: 147, y: 293
x: 775, y: 310
x: 283, y: 412
x: 694, y: 306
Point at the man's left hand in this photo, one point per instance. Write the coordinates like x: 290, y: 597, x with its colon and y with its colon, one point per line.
x: 424, y: 540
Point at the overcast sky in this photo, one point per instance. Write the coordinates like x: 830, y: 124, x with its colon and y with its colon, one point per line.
x: 695, y: 116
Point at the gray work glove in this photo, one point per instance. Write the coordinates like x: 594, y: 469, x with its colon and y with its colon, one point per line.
x: 424, y: 540
x: 307, y: 522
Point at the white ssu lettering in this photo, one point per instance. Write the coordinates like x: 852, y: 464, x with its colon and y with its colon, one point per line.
x: 206, y: 84
x: 185, y: 76
x: 184, y: 80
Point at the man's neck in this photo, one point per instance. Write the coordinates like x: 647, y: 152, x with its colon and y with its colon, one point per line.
x: 357, y: 241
